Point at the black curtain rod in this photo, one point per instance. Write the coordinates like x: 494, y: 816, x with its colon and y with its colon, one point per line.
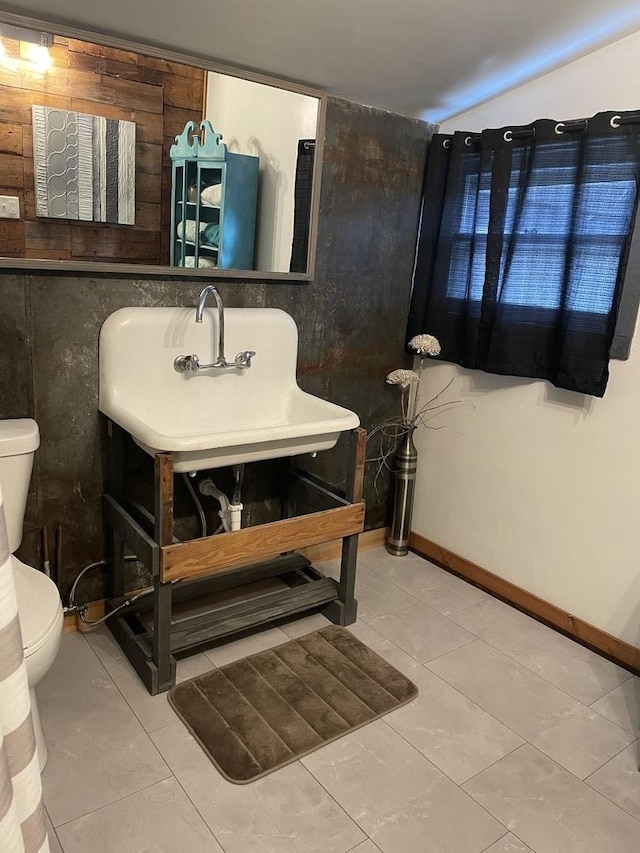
x: 631, y: 118
x: 572, y: 126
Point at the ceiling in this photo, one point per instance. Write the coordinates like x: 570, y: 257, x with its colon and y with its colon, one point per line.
x: 429, y: 58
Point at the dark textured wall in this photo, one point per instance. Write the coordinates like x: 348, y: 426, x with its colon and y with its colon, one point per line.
x: 351, y: 323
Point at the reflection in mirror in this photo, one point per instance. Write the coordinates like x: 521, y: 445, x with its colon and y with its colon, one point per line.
x: 270, y: 124
x: 91, y: 88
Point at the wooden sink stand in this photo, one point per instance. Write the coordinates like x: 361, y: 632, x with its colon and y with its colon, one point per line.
x: 187, y: 571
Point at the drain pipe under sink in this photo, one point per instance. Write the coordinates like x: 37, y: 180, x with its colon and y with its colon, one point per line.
x: 230, y: 514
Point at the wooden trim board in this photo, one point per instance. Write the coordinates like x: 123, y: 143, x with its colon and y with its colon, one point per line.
x: 227, y: 551
x: 333, y: 550
x: 617, y: 650
x: 315, y: 553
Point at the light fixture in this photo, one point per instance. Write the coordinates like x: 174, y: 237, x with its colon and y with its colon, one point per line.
x: 34, y: 56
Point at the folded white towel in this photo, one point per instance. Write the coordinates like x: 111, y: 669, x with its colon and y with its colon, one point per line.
x: 187, y: 230
x: 211, y: 195
x: 203, y: 263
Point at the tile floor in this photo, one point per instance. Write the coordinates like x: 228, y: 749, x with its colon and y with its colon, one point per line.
x: 519, y: 741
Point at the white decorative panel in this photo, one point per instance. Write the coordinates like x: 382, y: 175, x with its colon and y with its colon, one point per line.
x: 84, y: 166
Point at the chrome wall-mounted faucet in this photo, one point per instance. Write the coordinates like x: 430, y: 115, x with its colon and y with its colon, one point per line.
x: 191, y: 363
x: 210, y: 290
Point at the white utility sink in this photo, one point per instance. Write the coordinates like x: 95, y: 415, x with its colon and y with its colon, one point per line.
x: 212, y: 418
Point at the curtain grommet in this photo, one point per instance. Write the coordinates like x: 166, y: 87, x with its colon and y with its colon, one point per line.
x: 468, y: 141
x: 614, y: 121
x: 559, y: 128
x: 508, y: 136
x: 446, y: 143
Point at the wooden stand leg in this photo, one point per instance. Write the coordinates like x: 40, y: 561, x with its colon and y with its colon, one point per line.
x: 164, y: 662
x: 345, y: 610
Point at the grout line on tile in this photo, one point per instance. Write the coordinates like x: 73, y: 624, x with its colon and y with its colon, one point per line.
x: 470, y: 606
x: 474, y: 639
x: 495, y: 842
x: 630, y: 675
x: 603, y: 717
x: 617, y: 687
x: 561, y: 767
x: 117, y: 686
x: 368, y: 624
x: 53, y: 828
x: 636, y: 745
x: 138, y: 720
x: 108, y: 805
x: 355, y: 847
x: 439, y: 769
x: 539, y: 675
x: 453, y: 782
x: 475, y: 604
x: 506, y: 755
x: 536, y: 675
x: 408, y: 654
x: 422, y: 601
x: 450, y: 652
x: 206, y: 823
x: 168, y: 725
x: 461, y: 646
x: 337, y: 802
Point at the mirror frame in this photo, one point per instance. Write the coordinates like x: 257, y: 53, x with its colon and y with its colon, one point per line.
x: 206, y: 64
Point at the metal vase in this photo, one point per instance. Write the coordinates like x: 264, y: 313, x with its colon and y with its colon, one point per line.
x: 405, y: 463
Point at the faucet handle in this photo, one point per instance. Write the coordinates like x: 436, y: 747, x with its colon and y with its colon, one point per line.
x: 243, y: 359
x: 187, y: 363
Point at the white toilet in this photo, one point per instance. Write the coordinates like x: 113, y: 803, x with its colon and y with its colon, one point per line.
x: 39, y: 604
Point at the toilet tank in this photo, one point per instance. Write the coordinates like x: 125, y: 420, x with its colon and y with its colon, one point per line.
x: 19, y: 440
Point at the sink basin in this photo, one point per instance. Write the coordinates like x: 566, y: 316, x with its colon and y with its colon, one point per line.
x: 212, y: 418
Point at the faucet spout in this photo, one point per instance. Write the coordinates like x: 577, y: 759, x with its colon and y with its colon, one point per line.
x: 191, y: 363
x: 211, y: 290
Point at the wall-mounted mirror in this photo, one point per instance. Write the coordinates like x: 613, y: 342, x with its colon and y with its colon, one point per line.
x: 87, y: 123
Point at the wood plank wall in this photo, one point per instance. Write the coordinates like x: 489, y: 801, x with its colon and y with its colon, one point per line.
x: 160, y: 97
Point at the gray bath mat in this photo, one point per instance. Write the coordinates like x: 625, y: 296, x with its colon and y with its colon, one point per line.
x: 260, y: 713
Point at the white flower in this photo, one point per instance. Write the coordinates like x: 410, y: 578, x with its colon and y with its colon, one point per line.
x: 402, y: 377
x: 425, y: 345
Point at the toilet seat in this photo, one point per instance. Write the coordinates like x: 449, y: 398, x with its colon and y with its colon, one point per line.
x: 39, y: 606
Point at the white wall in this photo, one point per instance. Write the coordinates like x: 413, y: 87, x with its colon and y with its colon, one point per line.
x: 537, y: 485
x: 603, y: 80
x: 266, y: 122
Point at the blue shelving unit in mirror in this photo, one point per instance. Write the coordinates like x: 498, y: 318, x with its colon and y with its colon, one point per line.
x: 214, y: 196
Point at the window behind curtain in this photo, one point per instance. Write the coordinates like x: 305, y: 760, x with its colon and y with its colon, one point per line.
x: 522, y: 275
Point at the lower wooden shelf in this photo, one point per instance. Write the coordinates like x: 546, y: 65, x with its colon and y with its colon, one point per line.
x: 203, y: 628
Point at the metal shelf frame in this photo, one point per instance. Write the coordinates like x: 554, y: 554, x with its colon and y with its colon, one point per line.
x: 152, y: 635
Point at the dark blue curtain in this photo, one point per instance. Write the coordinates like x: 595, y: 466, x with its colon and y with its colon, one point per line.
x: 523, y: 245
x: 302, y: 205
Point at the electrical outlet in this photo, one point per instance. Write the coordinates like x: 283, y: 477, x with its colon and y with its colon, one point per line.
x: 9, y: 207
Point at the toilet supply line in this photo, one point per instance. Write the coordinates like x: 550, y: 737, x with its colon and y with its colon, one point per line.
x: 230, y: 515
x: 231, y: 519
x: 80, y: 609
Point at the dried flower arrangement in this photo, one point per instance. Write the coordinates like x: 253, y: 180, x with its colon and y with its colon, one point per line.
x: 393, y: 429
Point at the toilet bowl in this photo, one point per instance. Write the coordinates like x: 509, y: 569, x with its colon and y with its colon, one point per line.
x: 39, y: 606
